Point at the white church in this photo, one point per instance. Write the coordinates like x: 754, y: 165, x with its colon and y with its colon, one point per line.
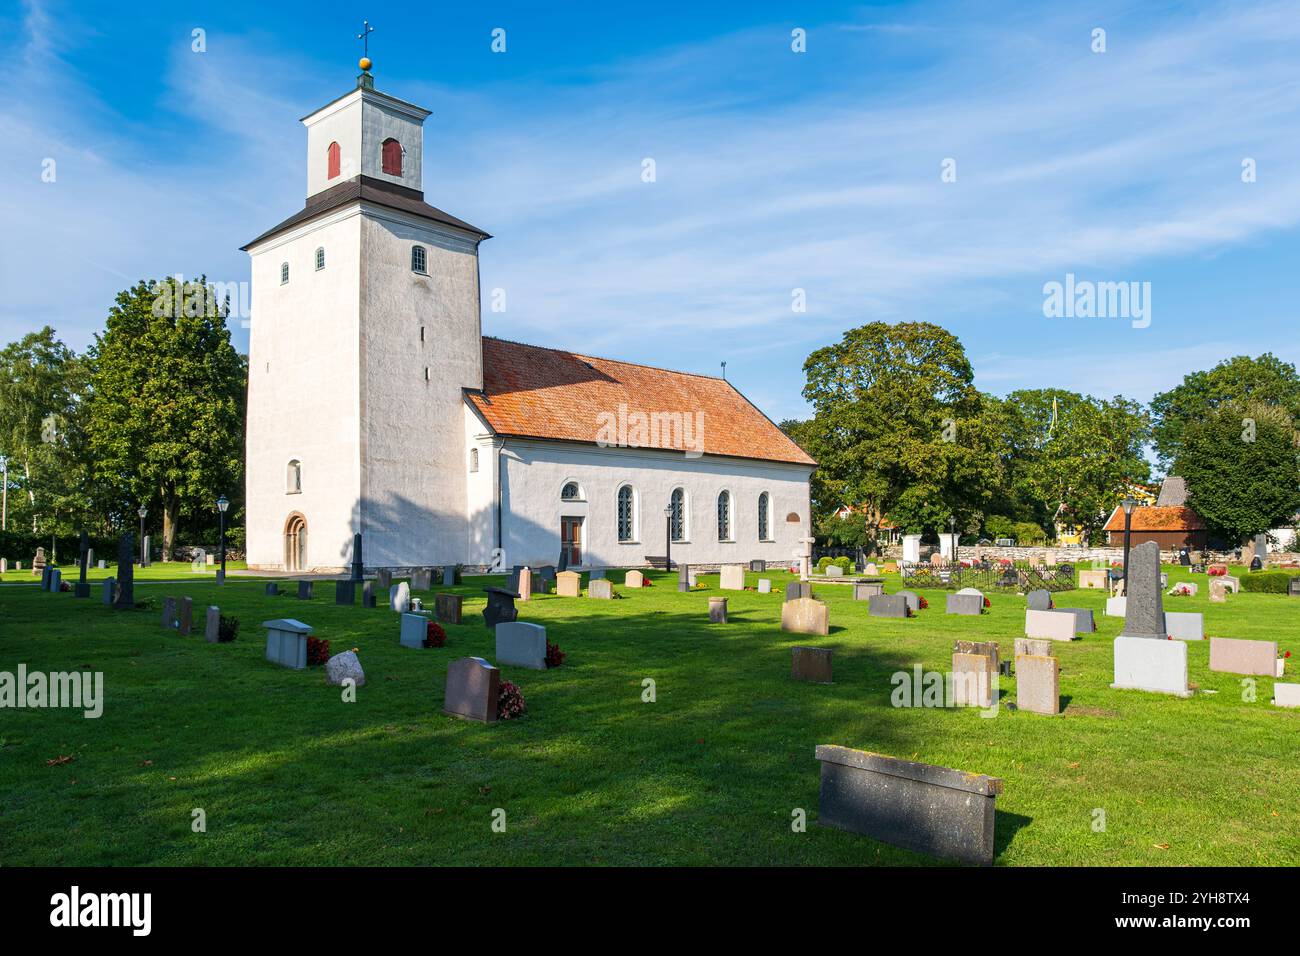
x: 376, y: 405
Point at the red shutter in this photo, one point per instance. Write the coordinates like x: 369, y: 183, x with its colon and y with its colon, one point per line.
x: 392, y: 157
x: 333, y: 160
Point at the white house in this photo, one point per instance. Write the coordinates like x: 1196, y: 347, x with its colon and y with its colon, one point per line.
x: 375, y: 404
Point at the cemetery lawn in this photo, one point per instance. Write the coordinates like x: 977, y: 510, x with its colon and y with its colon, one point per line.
x: 287, y: 773
x: 158, y: 571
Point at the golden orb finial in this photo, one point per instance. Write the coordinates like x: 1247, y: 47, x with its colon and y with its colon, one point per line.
x: 364, y: 63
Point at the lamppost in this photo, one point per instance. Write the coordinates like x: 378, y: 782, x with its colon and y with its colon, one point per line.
x: 668, y: 537
x: 143, y: 511
x: 222, y: 505
x: 1129, y: 505
x: 952, y: 530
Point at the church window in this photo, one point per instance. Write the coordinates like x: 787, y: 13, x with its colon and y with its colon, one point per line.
x: 419, y: 260
x: 473, y: 459
x: 764, y: 512
x: 677, y: 520
x: 724, y: 516
x: 333, y: 161
x: 392, y: 157
x: 320, y: 258
x: 284, y: 273
x: 625, y: 514
x: 571, y: 492
x: 294, y: 478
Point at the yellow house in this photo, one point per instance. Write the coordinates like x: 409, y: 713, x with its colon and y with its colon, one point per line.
x: 1070, y: 534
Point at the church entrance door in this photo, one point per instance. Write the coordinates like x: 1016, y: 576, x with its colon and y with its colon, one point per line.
x: 571, y: 539
x: 295, y: 543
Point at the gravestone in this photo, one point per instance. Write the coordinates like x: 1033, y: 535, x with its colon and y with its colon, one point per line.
x: 383, y: 578
x: 145, y: 560
x: 520, y: 644
x: 512, y: 579
x: 448, y: 607
x: 633, y: 579
x: 1158, y: 666
x: 368, y: 594
x: 1038, y: 684
x: 399, y: 597
x: 602, y: 589
x: 1144, y: 615
x: 864, y: 590
x: 4, y: 565
x: 169, y: 614
x: 414, y: 629
x: 345, y: 592
x: 913, y: 600
x: 1039, y: 600
x: 764, y: 585
x: 987, y: 649
x: 1050, y: 624
x: 731, y: 578
x: 568, y: 584
x: 887, y: 605
x: 1231, y: 655
x: 1083, y: 620
x: 1185, y: 626
x: 421, y: 579
x: 683, y: 578
x: 933, y: 810
x: 1218, y: 593
x: 975, y: 591
x: 1231, y: 583
x: 304, y: 590
x: 805, y: 616
x: 286, y: 642
x: 449, y: 576
x: 186, y: 623
x: 758, y: 566
x: 811, y: 664
x: 966, y: 604
x: 544, y: 579
x: 1286, y: 695
x: 38, y: 567
x: 1191, y: 587
x: 473, y: 687
x: 525, y: 587
x: 358, y: 565
x: 717, y: 610
x: 212, y: 625
x: 56, y: 580
x: 47, y: 574
x: 83, y: 586
x: 1037, y: 646
x: 272, y: 589
x: 108, y: 590
x: 974, y: 680
x: 798, y: 589
x: 692, y: 577
x: 344, y: 667
x: 500, y: 607
x: 101, y: 564
x: 1115, y: 606
x: 199, y: 562
x: 1092, y: 579
x: 834, y: 571
x: 596, y: 574
x: 870, y: 569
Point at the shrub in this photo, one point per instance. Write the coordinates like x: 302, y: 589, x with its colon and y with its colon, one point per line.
x: 1266, y: 582
x: 318, y: 650
x: 510, y: 702
x: 823, y: 563
x: 843, y: 564
x: 554, y: 656
x: 434, y: 635
x: 227, y: 629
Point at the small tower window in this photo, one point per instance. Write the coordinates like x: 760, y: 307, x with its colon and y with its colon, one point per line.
x: 320, y: 258
x: 473, y: 459
x: 419, y: 260
x: 392, y: 157
x: 333, y: 161
x: 293, y: 479
x: 571, y: 492
x: 284, y: 273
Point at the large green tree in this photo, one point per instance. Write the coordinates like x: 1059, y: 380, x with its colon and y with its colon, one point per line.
x: 166, y: 400
x: 1240, y: 380
x: 1241, y: 467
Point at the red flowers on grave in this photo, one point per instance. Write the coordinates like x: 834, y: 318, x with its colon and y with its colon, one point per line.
x: 554, y: 656
x: 987, y: 602
x: 434, y: 635
x: 921, y: 602
x: 646, y: 582
x: 1217, y: 570
x: 318, y: 650
x: 1287, y: 654
x: 510, y: 702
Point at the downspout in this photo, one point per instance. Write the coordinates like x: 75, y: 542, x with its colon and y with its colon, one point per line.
x: 499, y: 466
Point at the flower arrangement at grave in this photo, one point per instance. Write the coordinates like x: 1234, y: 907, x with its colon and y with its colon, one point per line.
x: 318, y: 650
x: 510, y: 702
x: 987, y: 602
x: 1181, y: 590
x: 554, y: 656
x: 227, y: 629
x: 646, y: 582
x: 1217, y: 570
x: 921, y: 602
x: 434, y: 635
x: 65, y: 585
x: 699, y: 586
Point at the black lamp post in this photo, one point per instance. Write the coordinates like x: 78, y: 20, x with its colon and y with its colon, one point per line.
x: 952, y: 529
x: 668, y: 537
x: 222, y: 505
x: 1129, y: 505
x: 143, y: 511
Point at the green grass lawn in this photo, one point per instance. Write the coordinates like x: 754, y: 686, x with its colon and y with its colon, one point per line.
x: 158, y: 571
x: 287, y: 773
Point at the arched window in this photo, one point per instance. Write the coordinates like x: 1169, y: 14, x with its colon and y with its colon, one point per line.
x: 419, y: 260
x: 625, y: 514
x: 724, y: 516
x: 320, y: 258
x: 333, y: 161
x: 764, y: 510
x: 392, y: 157
x: 473, y: 459
x: 571, y: 492
x: 284, y: 273
x: 293, y: 478
x: 677, y: 522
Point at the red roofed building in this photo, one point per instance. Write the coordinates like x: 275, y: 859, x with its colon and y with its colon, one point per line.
x: 1171, y: 527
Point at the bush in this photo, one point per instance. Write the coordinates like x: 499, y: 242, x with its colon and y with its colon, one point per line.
x: 1266, y: 582
x: 554, y: 656
x: 1028, y: 533
x: 434, y: 635
x: 227, y: 629
x: 510, y: 702
x: 318, y: 650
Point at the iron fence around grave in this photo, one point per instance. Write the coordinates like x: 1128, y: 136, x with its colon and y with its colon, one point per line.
x: 990, y: 577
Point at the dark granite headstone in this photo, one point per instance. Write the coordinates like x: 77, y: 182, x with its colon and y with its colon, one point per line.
x: 304, y: 590
x: 798, y: 589
x: 368, y: 594
x: 345, y: 592
x: 125, y: 573
x: 108, y: 588
x: 186, y: 622
x: 272, y: 589
x: 1144, y: 609
x: 473, y: 687
x: 47, y: 576
x: 500, y: 607
x: 1039, y: 600
x: 758, y: 566
x: 449, y: 576
x: 83, y: 586
x: 1256, y: 564
x: 1083, y: 620
x: 448, y: 607
x: 357, y: 564
x: 512, y: 580
x: 169, y: 613
x: 967, y: 604
x: 812, y: 664
x: 887, y: 605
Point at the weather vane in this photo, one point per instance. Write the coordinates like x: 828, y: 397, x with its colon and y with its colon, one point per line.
x: 364, y: 37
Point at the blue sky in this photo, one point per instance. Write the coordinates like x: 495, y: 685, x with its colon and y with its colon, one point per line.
x: 775, y: 170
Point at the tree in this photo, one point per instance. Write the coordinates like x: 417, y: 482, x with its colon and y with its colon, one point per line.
x: 1239, y: 380
x: 1241, y: 469
x: 897, y: 426
x: 166, y: 400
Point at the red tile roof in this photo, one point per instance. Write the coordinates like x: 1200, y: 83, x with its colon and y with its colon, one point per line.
x: 535, y: 392
x: 1153, y: 518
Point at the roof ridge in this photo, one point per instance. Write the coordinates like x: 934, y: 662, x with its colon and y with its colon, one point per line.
x: 602, y: 358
